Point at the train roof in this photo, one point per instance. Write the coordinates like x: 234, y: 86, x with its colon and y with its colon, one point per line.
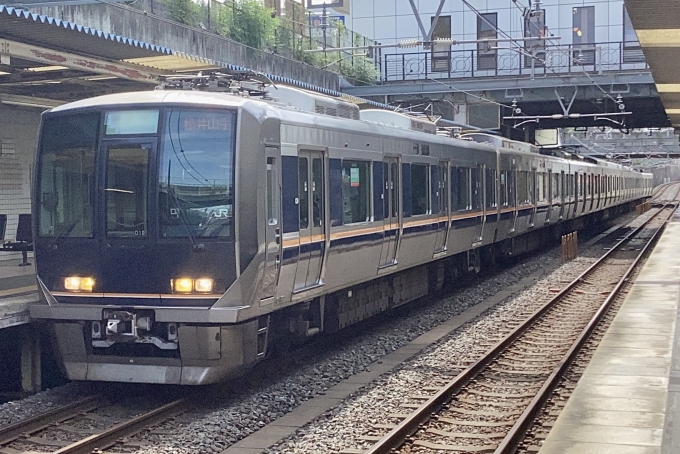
x: 293, y: 114
x: 287, y: 112
x: 156, y: 97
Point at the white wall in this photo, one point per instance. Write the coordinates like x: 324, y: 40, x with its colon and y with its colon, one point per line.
x: 18, y: 136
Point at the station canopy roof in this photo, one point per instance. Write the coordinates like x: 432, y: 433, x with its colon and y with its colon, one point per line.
x: 46, y: 62
x: 657, y: 24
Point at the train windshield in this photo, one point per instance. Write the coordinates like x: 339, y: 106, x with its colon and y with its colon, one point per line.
x: 196, y: 174
x: 66, y: 173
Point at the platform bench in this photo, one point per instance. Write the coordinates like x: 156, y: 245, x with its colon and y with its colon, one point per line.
x: 23, y: 240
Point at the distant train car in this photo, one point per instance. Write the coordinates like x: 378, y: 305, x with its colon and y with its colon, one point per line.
x: 180, y: 235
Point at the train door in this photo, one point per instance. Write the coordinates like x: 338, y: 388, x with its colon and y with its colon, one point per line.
x: 583, y: 193
x: 574, y: 179
x: 125, y: 205
x: 512, y: 196
x: 478, y: 202
x: 311, y: 190
x: 563, y: 194
x: 532, y: 195
x: 443, y: 197
x: 272, y: 234
x: 391, y: 209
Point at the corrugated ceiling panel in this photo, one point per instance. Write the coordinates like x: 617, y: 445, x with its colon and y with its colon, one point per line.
x: 21, y: 25
x: 653, y: 14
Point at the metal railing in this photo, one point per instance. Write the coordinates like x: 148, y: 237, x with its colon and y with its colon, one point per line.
x: 473, y: 63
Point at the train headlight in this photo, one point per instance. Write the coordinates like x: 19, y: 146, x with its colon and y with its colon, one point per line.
x: 203, y: 285
x: 79, y: 284
x: 183, y: 285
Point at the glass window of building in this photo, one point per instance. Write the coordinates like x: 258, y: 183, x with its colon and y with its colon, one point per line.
x: 487, y: 29
x: 534, y: 27
x: 583, y: 35
x: 441, y: 53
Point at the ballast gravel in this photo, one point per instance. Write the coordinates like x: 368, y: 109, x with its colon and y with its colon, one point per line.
x: 229, y: 420
x: 42, y: 402
x: 355, y: 417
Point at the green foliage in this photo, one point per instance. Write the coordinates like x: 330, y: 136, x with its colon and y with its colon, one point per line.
x: 247, y: 21
x: 184, y: 11
x: 311, y: 58
x: 360, y: 71
x: 251, y: 23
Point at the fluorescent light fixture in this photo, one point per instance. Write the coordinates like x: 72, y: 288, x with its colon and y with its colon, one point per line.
x: 668, y: 37
x: 673, y: 111
x: 40, y: 69
x: 25, y: 104
x: 29, y: 101
x: 41, y: 82
x: 4, y: 73
x: 101, y: 78
x: 668, y: 88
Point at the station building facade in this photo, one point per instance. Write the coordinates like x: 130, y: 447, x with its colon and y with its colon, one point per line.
x: 579, y: 23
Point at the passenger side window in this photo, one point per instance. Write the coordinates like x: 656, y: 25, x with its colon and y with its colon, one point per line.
x: 356, y: 192
x: 503, y: 184
x: 491, y: 188
x: 523, y: 187
x: 420, y: 189
x: 303, y: 185
x: 540, y: 187
x: 512, y: 188
x: 463, y: 189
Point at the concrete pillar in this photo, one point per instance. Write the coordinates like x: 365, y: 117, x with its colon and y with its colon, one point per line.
x: 31, y: 380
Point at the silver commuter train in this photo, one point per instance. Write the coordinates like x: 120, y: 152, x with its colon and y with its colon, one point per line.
x: 182, y: 235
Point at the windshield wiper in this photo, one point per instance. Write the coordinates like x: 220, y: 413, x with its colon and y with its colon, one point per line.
x: 65, y: 231
x: 196, y: 247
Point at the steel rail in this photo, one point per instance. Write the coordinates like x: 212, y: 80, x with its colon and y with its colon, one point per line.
x: 518, y: 431
x: 112, y: 435
x: 397, y: 436
x: 30, y: 425
x: 665, y: 187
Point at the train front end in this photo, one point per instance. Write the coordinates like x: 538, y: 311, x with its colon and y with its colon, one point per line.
x: 135, y: 242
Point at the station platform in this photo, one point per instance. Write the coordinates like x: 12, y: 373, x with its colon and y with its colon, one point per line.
x: 17, y: 289
x: 628, y: 399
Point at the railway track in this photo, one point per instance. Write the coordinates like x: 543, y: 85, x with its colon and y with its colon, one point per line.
x: 665, y: 193
x: 38, y: 433
x: 490, y: 406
